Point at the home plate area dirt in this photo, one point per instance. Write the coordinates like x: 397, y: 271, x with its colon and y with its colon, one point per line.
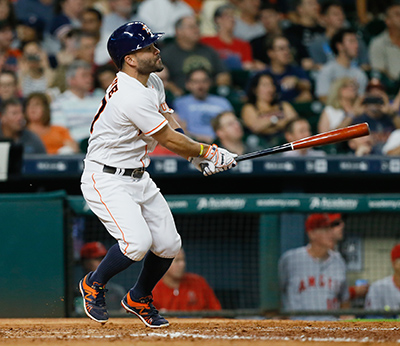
x: 213, y: 332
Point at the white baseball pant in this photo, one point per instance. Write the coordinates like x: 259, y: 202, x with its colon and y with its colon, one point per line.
x: 133, y: 211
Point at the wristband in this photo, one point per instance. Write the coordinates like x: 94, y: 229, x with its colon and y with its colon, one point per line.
x: 180, y: 130
x: 201, y: 149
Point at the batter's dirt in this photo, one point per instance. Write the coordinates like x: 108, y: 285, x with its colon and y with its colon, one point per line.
x: 212, y: 332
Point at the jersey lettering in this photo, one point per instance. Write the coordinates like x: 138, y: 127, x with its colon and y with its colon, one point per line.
x: 321, y: 281
x: 101, y: 109
x: 302, y: 286
x: 311, y: 281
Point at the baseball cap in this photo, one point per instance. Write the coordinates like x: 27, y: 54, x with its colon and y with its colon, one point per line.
x: 334, y: 218
x: 33, y: 22
x: 318, y: 220
x: 93, y: 249
x: 395, y: 252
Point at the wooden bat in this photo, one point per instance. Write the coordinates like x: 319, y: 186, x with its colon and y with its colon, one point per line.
x: 325, y: 138
x: 330, y: 137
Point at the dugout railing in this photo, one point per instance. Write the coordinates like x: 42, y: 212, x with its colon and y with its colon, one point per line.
x: 235, y: 242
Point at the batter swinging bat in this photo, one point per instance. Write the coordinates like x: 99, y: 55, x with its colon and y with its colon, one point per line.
x: 334, y: 136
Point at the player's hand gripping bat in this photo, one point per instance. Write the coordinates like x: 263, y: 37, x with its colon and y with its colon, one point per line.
x: 325, y: 138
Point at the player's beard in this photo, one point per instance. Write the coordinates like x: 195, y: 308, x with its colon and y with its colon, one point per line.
x: 147, y: 66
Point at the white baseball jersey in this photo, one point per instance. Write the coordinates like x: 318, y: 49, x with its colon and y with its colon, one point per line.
x: 132, y: 209
x: 127, y: 117
x: 308, y: 283
x: 382, y: 295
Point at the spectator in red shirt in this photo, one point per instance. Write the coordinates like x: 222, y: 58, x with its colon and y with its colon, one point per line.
x: 235, y: 53
x: 182, y: 291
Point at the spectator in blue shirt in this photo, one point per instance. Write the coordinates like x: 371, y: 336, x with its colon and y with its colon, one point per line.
x: 196, y: 109
x: 380, y: 123
x: 292, y: 82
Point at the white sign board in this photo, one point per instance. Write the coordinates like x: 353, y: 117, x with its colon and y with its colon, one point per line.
x: 4, y: 155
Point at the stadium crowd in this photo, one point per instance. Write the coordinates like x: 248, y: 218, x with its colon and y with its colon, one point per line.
x: 330, y: 63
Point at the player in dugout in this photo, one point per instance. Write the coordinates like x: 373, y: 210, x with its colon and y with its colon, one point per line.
x: 182, y: 291
x: 132, y: 118
x: 384, y: 294
x: 313, y: 277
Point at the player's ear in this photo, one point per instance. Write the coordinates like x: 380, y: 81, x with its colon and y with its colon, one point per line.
x: 130, y: 60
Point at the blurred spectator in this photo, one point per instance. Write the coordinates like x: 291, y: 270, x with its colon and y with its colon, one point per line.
x: 77, y: 45
x: 369, y: 11
x: 207, y: 24
x: 384, y: 294
x: 13, y: 127
x: 376, y: 88
x: 187, y: 53
x: 68, y: 15
x: 30, y: 30
x: 344, y: 45
x: 182, y: 291
x: 392, y: 145
x: 313, y: 277
x: 196, y: 109
x: 120, y: 13
x: 8, y: 55
x: 380, y: 123
x: 343, y: 105
x: 161, y: 15
x: 75, y: 108
x: 7, y: 12
x: 86, y: 45
x: 35, y: 73
x: 306, y: 28
x: 230, y: 135
x: 271, y: 19
x: 248, y: 24
x: 42, y: 9
x: 296, y: 129
x: 92, y: 254
x: 104, y: 76
x: 334, y: 19
x: 361, y: 146
x: 384, y: 50
x: 91, y: 22
x: 264, y: 114
x: 56, y: 139
x: 8, y: 86
x: 235, y: 53
x: 291, y: 80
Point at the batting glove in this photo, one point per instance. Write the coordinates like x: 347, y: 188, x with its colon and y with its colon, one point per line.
x: 221, y: 158
x: 202, y: 165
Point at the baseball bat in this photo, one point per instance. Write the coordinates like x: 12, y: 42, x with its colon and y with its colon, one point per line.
x: 325, y: 138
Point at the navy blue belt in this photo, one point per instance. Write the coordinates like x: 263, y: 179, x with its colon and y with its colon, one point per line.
x: 136, y: 173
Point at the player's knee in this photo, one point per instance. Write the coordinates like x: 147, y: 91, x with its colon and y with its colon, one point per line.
x: 136, y: 251
x: 169, y: 248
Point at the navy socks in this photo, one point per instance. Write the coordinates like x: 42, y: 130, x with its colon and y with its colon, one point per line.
x: 114, y: 263
x: 153, y: 270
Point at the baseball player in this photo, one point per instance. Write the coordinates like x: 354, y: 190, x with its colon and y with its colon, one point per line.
x: 384, y: 294
x: 313, y: 277
x: 132, y: 118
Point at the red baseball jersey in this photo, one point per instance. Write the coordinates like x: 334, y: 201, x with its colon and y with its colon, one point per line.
x: 193, y: 294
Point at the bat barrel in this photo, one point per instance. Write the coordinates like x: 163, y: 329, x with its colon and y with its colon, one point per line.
x: 334, y: 136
